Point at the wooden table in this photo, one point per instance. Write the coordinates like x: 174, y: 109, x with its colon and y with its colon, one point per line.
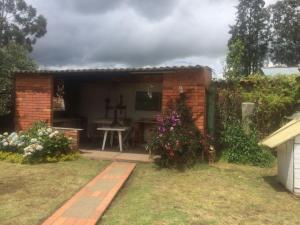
x: 119, y: 130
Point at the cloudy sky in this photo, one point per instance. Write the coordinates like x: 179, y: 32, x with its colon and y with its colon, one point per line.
x: 110, y: 33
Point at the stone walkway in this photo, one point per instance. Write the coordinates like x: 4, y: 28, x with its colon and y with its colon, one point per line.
x: 88, y: 205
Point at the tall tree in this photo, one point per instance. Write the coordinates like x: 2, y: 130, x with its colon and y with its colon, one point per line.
x: 20, y: 23
x: 234, y: 59
x: 285, y: 39
x: 252, y: 30
x: 12, y: 57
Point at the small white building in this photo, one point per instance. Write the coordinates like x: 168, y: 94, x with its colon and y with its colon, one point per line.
x: 286, y: 141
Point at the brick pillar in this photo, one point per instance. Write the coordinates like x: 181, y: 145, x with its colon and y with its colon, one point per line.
x: 33, y: 99
x: 72, y: 133
x: 193, y: 84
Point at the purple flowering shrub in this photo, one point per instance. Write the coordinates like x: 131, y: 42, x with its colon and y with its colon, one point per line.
x: 177, y: 140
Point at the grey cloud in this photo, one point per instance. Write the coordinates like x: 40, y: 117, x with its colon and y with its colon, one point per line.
x: 134, y: 33
x: 154, y: 9
x: 90, y: 6
x: 150, y: 9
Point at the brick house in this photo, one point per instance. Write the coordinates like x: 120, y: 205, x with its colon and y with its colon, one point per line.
x: 75, y: 100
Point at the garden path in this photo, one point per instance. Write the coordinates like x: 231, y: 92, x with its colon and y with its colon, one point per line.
x: 88, y: 205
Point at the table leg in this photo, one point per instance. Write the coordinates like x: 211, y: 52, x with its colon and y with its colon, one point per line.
x: 104, y: 140
x: 111, y: 138
x: 120, y: 140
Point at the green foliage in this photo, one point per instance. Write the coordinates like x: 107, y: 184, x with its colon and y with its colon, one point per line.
x: 53, y: 143
x: 19, y: 158
x: 275, y: 97
x: 12, y: 57
x: 20, y: 23
x: 243, y: 148
x: 285, y: 39
x: 11, y: 157
x: 249, y: 37
x: 234, y: 59
x: 177, y: 141
x: 261, y: 32
x: 38, y: 144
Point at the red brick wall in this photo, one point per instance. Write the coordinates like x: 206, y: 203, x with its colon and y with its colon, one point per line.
x: 33, y: 99
x: 194, y: 86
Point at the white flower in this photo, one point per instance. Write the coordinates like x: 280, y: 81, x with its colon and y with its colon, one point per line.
x: 33, y: 140
x: 49, y: 130
x: 5, y: 134
x: 53, y: 134
x: 172, y: 128
x: 40, y: 133
x: 5, y: 144
x: 20, y: 144
x: 28, y: 148
x: 1, y: 136
x: 39, y: 147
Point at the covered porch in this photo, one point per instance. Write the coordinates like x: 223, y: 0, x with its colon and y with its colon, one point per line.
x: 87, y: 104
x: 113, y: 111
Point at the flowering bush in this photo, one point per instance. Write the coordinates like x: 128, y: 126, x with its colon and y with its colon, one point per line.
x: 11, y: 142
x: 177, y: 140
x: 36, y: 144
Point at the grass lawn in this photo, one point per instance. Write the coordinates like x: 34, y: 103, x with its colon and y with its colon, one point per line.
x: 217, y: 194
x: 29, y: 193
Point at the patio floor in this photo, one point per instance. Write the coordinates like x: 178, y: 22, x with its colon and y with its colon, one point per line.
x: 88, y: 205
x: 116, y: 156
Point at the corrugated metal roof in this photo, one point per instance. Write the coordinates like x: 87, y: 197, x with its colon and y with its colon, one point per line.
x: 285, y: 133
x: 108, y: 70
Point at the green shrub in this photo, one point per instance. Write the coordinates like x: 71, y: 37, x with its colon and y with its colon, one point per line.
x: 11, y: 157
x: 274, y: 96
x: 40, y: 143
x: 63, y: 157
x: 177, y: 140
x: 19, y: 158
x: 242, y: 148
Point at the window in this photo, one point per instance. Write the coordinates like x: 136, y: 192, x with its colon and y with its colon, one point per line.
x: 144, y: 103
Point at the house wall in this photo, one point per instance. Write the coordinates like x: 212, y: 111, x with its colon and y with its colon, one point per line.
x: 34, y: 95
x: 194, y: 86
x: 33, y: 99
x: 297, y: 166
x: 285, y: 164
x: 93, y: 95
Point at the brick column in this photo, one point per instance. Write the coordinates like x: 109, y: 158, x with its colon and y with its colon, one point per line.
x: 33, y: 99
x: 194, y: 86
x: 71, y: 133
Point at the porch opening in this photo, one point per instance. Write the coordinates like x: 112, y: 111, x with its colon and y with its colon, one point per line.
x: 94, y: 102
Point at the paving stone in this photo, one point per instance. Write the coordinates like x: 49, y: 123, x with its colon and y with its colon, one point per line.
x: 103, y: 186
x: 83, y: 208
